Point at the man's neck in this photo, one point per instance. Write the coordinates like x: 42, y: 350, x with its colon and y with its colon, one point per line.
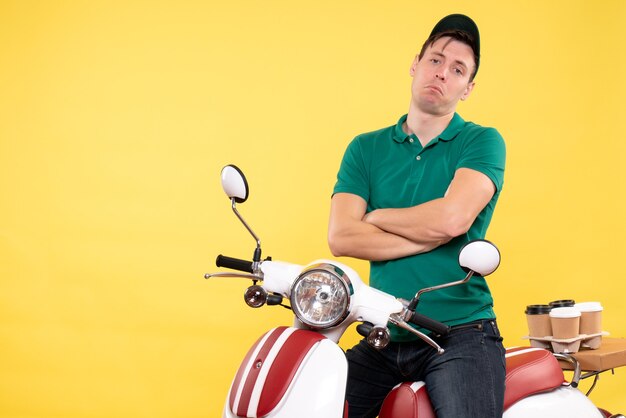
x: 426, y: 126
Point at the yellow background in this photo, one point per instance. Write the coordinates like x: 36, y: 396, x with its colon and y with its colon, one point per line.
x: 117, y: 116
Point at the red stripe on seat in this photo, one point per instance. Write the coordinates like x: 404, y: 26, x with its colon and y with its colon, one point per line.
x: 404, y: 402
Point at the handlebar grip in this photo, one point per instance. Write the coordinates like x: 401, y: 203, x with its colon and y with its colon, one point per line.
x: 430, y: 324
x: 234, y: 263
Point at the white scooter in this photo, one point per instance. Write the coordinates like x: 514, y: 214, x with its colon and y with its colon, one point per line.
x: 300, y: 371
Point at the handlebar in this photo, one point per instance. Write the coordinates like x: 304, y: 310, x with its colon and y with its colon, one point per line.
x: 234, y: 263
x: 430, y: 324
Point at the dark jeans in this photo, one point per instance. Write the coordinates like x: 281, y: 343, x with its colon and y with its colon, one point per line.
x: 465, y: 381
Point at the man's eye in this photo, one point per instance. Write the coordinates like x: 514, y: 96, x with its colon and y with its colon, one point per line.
x: 458, y: 71
x: 435, y: 61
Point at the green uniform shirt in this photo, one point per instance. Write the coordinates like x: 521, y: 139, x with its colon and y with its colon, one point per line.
x: 390, y: 169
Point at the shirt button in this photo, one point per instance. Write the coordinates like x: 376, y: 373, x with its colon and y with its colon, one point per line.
x: 411, y: 140
x: 419, y: 157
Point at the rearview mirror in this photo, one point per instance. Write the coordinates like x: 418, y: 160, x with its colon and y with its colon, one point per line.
x: 479, y: 256
x: 234, y: 183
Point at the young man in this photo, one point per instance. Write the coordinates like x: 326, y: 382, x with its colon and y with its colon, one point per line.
x: 407, y: 198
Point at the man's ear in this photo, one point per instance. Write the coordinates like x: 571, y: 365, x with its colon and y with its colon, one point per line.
x: 468, y: 90
x: 413, y: 68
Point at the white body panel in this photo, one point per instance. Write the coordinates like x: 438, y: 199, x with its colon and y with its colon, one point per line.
x: 318, y: 388
x: 566, y: 402
x: 278, y: 276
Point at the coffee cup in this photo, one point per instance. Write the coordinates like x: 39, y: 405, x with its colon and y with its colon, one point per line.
x: 538, y: 317
x: 565, y: 322
x: 590, y: 322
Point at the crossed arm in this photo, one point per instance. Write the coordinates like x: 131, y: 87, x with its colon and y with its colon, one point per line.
x: 386, y: 234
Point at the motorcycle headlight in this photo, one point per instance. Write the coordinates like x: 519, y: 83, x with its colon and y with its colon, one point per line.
x: 320, y: 296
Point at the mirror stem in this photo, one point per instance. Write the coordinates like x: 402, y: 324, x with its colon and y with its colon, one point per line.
x: 257, y: 252
x: 416, y: 299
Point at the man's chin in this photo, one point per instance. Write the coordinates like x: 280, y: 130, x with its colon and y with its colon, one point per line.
x: 431, y: 108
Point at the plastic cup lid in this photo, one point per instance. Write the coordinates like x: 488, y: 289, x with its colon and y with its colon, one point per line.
x: 589, y: 307
x: 562, y: 303
x: 538, y: 309
x: 568, y: 312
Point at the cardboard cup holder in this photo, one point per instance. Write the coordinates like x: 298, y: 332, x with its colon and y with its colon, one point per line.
x: 568, y: 345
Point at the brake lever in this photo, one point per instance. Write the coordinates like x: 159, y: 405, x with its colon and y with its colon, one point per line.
x: 398, y: 321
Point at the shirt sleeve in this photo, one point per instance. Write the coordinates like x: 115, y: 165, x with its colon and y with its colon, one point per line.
x: 353, y: 176
x: 486, y: 153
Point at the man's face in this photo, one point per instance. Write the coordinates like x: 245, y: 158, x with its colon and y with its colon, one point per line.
x: 442, y: 76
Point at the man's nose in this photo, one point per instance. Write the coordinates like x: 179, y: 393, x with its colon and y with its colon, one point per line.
x: 441, y: 75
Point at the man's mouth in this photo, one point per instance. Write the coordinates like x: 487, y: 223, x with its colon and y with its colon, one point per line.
x: 435, y: 89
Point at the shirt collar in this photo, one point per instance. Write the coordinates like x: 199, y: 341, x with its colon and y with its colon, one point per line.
x: 448, y: 134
